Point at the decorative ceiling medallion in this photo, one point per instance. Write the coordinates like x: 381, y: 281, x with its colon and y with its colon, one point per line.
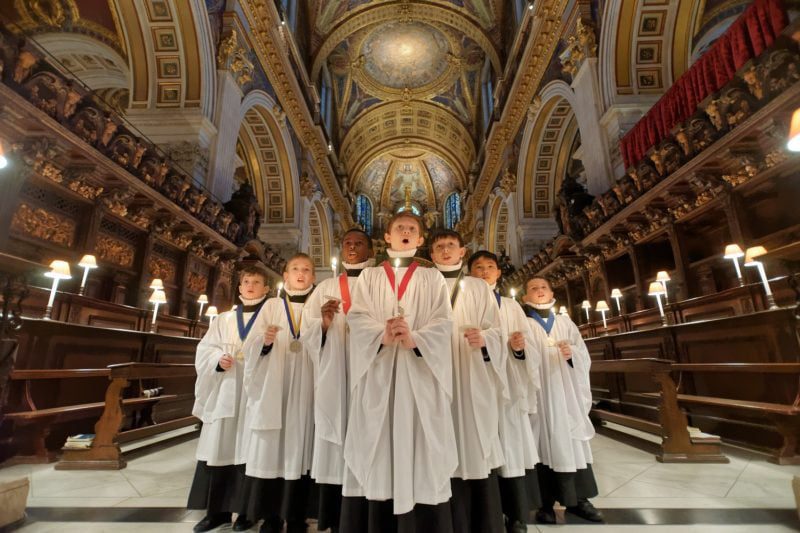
x: 403, y: 55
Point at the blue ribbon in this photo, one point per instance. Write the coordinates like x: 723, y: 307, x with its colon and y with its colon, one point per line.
x: 497, y: 295
x: 548, y: 325
x: 245, y: 330
x: 290, y: 318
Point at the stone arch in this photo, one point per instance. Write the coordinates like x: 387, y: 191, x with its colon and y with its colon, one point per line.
x: 319, y: 233
x: 499, y: 228
x: 546, y: 144
x: 269, y: 149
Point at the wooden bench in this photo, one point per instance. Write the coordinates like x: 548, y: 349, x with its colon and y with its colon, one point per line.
x: 33, y: 425
x: 105, y: 453
x: 784, y: 416
x: 677, y: 444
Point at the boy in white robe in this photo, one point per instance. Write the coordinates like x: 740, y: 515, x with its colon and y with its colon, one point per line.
x: 519, y: 486
x: 479, y: 390
x: 561, y: 423
x: 400, y: 439
x: 325, y: 335
x: 279, y: 383
x: 220, y: 404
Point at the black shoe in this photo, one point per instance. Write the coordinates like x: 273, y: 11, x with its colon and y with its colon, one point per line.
x: 517, y: 526
x: 212, y: 522
x: 242, y: 523
x: 545, y: 516
x: 271, y: 525
x: 587, y: 511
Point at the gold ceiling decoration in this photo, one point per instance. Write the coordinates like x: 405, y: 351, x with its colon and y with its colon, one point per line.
x: 540, y: 47
x: 269, y: 45
x: 406, y: 60
x: 387, y: 13
x: 406, y: 125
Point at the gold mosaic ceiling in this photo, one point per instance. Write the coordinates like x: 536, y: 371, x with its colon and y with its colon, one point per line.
x: 406, y: 79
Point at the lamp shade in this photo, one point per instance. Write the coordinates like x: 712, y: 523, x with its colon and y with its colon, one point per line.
x: 656, y: 288
x: 662, y: 275
x: 157, y: 284
x: 752, y: 253
x: 733, y: 251
x: 59, y: 270
x: 3, y: 159
x: 601, y: 306
x: 202, y: 299
x: 616, y: 293
x: 158, y: 297
x: 586, y: 305
x: 88, y: 261
x: 211, y: 311
x: 794, y: 132
x: 562, y: 310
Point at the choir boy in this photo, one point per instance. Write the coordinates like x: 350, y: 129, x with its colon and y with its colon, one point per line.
x: 279, y: 383
x: 399, y: 447
x: 519, y: 487
x: 220, y: 404
x: 326, y: 334
x: 480, y: 389
x: 562, y: 424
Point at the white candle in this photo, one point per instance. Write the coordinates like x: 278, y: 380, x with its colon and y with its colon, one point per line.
x: 334, y: 266
x: 280, y: 288
x: 513, y: 293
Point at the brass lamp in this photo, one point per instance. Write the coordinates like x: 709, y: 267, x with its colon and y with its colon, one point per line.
x: 657, y: 289
x: 734, y: 252
x: 58, y: 270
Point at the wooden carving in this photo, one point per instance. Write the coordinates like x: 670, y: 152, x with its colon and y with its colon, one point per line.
x: 44, y: 225
x: 115, y: 251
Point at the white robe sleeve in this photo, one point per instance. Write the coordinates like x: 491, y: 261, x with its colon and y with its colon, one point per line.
x: 263, y: 374
x: 525, y: 373
x: 330, y: 404
x: 214, y: 392
x: 581, y: 362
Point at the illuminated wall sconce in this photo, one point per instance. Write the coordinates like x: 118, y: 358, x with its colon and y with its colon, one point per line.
x: 88, y: 262
x: 750, y: 261
x: 657, y: 289
x: 58, y: 270
x: 202, y: 300
x: 734, y: 252
x: 157, y: 298
x: 602, y: 306
x: 617, y: 295
x: 663, y: 277
x: 211, y: 313
x: 586, y: 305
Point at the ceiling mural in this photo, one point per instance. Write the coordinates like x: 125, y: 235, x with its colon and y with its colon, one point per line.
x: 406, y: 84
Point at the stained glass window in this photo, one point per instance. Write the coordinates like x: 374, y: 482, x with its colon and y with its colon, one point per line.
x: 452, y: 211
x: 364, y: 213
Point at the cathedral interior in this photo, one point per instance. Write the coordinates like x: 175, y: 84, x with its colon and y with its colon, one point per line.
x: 638, y: 153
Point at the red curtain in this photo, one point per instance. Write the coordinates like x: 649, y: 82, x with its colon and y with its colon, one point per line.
x: 748, y: 36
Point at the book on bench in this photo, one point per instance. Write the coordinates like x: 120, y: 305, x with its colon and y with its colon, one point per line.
x: 80, y: 441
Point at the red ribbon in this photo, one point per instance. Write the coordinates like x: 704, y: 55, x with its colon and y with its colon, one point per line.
x: 406, y: 278
x: 345, y: 290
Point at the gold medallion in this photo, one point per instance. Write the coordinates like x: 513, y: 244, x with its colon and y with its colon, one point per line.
x: 239, y: 355
x: 295, y: 346
x: 551, y: 341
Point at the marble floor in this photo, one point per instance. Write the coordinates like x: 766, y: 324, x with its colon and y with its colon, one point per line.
x: 636, y: 492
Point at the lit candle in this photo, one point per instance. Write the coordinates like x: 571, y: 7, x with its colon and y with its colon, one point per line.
x: 734, y: 252
x: 211, y: 313
x: 617, y: 295
x: 657, y: 289
x: 513, y: 293
x: 280, y: 288
x: 750, y: 261
x: 88, y: 262
x: 334, y: 265
x: 602, y: 306
x: 562, y: 310
x: 58, y: 270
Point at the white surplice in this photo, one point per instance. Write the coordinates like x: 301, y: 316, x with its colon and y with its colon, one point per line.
x: 220, y: 402
x: 561, y: 423
x: 330, y: 381
x: 479, y: 387
x: 400, y: 440
x: 280, y: 396
x: 516, y: 433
